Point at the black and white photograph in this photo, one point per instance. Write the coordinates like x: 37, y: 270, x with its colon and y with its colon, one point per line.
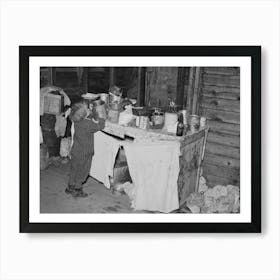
x: 124, y: 141
x: 140, y: 140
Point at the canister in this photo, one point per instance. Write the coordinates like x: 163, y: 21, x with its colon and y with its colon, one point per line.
x: 144, y: 122
x: 170, y: 119
x: 203, y: 121
x: 101, y: 110
x: 104, y: 97
x: 194, y: 122
x: 113, y: 116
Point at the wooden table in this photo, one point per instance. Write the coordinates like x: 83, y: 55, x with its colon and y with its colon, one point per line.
x: 192, y: 152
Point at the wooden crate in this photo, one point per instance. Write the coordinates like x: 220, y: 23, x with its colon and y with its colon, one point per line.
x: 192, y: 153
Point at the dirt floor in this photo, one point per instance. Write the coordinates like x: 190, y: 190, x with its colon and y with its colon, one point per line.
x: 53, y: 198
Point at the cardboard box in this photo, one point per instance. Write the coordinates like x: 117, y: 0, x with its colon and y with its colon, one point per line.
x: 53, y: 104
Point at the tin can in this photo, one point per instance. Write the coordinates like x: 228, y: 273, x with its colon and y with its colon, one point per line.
x: 137, y: 121
x: 194, y: 123
x: 144, y: 122
x: 113, y: 116
x: 203, y: 121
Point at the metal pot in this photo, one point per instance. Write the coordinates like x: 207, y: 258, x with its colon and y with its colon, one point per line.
x: 113, y: 98
x: 99, y: 107
x: 157, y: 118
x: 104, y: 97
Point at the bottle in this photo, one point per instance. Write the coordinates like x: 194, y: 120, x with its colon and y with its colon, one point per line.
x: 180, y: 126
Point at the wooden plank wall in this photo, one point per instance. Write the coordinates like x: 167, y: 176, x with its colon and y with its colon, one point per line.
x: 161, y: 85
x: 94, y: 79
x: 220, y: 103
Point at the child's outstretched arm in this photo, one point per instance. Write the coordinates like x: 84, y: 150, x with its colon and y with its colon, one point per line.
x: 100, y: 122
x: 95, y: 125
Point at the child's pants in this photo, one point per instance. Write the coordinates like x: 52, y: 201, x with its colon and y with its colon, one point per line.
x: 79, y: 169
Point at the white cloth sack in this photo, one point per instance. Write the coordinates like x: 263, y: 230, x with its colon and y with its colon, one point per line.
x: 60, y: 126
x: 103, y: 161
x: 65, y: 147
x: 154, y: 169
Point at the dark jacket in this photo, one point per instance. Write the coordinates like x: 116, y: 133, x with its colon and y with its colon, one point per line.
x: 83, y: 143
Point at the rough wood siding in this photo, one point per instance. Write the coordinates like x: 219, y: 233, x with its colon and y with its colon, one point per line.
x: 161, y: 85
x: 190, y: 161
x: 220, y: 103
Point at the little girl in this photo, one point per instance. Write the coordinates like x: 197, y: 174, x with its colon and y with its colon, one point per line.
x: 82, y: 148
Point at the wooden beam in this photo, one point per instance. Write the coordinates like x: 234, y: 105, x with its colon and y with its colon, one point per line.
x: 141, y: 83
x: 180, y: 85
x: 196, y: 90
x: 52, y: 75
x: 85, y: 79
x: 111, y: 76
x: 190, y: 88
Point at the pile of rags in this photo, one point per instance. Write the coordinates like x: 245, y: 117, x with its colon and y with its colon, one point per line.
x: 219, y: 199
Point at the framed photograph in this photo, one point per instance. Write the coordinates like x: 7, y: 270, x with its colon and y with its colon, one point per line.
x: 140, y: 139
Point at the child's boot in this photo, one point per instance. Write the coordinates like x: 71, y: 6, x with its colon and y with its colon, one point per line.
x: 79, y: 193
x: 70, y: 189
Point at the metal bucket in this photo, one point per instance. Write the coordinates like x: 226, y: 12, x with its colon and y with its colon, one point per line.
x: 101, y: 109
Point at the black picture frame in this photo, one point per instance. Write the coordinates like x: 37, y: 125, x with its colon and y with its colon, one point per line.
x: 25, y: 52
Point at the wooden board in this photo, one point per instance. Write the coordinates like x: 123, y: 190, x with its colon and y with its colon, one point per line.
x: 231, y: 174
x: 221, y: 92
x: 190, y: 162
x: 221, y: 80
x: 223, y: 127
x: 223, y: 139
x: 222, y: 104
x: 232, y: 71
x: 213, y: 180
x: 221, y: 161
x: 218, y: 115
x: 222, y: 150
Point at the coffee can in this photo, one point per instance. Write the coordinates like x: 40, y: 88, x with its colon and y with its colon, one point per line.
x: 194, y: 123
x: 144, y: 122
x: 203, y: 121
